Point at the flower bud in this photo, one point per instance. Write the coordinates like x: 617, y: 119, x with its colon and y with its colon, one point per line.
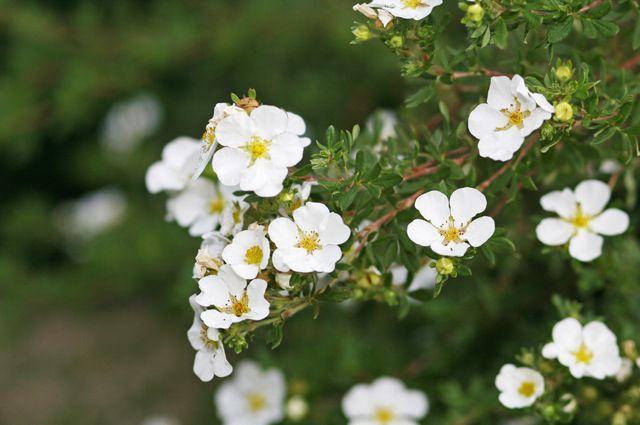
x: 564, y: 73
x: 564, y: 111
x: 248, y: 104
x: 475, y: 13
x: 619, y: 418
x: 570, y: 403
x: 361, y: 32
x: 396, y: 41
x: 445, y: 266
x: 297, y: 408
x: 284, y: 281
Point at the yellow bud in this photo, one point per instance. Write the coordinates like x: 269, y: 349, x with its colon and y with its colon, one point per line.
x: 362, y: 33
x: 564, y: 73
x: 445, y: 265
x: 564, y: 111
x: 396, y: 41
x: 475, y: 13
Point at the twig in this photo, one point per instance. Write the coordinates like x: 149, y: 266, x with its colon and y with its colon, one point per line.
x: 591, y: 5
x: 485, y: 184
x: 613, y: 180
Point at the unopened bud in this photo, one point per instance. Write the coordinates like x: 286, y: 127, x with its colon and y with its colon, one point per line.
x: 361, y: 32
x: 475, y: 13
x: 247, y: 104
x: 564, y: 73
x: 564, y: 111
x: 445, y: 266
x: 396, y: 41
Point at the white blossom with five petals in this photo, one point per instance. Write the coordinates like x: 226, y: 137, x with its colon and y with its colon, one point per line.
x: 233, y: 299
x: 583, y: 219
x: 310, y: 241
x: 406, y: 9
x: 258, y: 148
x: 590, y: 351
x: 511, y: 113
x: 519, y: 386
x: 386, y: 401
x: 248, y: 252
x: 253, y: 397
x: 449, y: 228
x: 210, y: 358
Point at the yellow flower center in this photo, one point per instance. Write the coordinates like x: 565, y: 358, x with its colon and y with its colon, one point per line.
x: 253, y: 255
x: 580, y: 220
x: 514, y: 115
x: 239, y: 307
x: 309, y: 241
x: 527, y: 388
x: 583, y: 355
x: 209, y: 136
x: 413, y: 4
x: 258, y: 148
x: 451, y: 233
x: 216, y: 206
x: 204, y: 337
x: 384, y: 415
x: 256, y: 402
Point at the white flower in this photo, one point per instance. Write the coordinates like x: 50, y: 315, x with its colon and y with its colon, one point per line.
x: 407, y: 9
x: 210, y: 358
x: 233, y: 299
x: 93, y: 213
x: 388, y: 121
x: 297, y: 408
x: 449, y: 229
x: 384, y: 402
x: 204, y: 206
x: 519, y: 386
x: 128, y: 123
x: 582, y: 219
x: 253, y: 397
x: 309, y: 242
x: 209, y: 257
x: 626, y: 369
x: 209, y: 142
x: 425, y: 278
x: 610, y: 166
x: 367, y: 10
x: 511, y: 113
x: 174, y: 171
x: 248, y: 253
x: 258, y: 148
x: 591, y: 350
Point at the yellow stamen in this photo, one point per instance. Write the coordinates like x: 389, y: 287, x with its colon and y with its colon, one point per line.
x: 216, y: 206
x: 253, y: 255
x: 413, y: 4
x: 515, y: 116
x: 580, y: 219
x: 309, y: 241
x: 204, y: 337
x: 527, y: 388
x: 384, y: 415
x: 238, y: 307
x: 451, y: 233
x: 256, y: 402
x: 583, y: 355
x: 258, y: 148
x: 209, y: 136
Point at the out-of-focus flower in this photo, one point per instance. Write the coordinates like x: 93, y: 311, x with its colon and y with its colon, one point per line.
x: 93, y: 213
x: 233, y: 299
x: 610, y: 166
x: 252, y: 397
x: 388, y: 121
x: 425, y: 278
x: 582, y: 219
x: 449, y: 228
x: 590, y: 351
x: 160, y: 420
x: 385, y: 401
x: 310, y: 241
x: 519, y: 386
x: 211, y: 359
x: 626, y: 369
x: 511, y: 113
x: 130, y: 122
x: 175, y: 170
x: 297, y: 408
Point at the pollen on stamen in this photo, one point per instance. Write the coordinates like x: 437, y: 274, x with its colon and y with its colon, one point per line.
x: 527, y: 388
x: 309, y: 241
x: 253, y: 255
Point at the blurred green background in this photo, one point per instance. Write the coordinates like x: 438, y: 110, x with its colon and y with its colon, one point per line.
x: 93, y: 326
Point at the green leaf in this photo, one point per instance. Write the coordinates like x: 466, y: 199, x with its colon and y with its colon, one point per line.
x: 486, y: 38
x: 346, y: 200
x: 606, y: 28
x: 500, y: 35
x: 561, y: 30
x: 421, y: 96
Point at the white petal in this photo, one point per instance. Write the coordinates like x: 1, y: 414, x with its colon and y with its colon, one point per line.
x: 295, y: 124
x: 235, y: 130
x: 423, y: 233
x: 425, y: 278
x: 297, y: 260
x: 479, y: 231
x: 466, y: 203
x: 257, y: 303
x: 161, y: 177
x: 333, y: 231
x: 283, y: 232
x: 203, y: 365
x: 214, y: 292
x: 286, y: 150
x: 221, y: 366
x: 562, y: 203
x: 500, y: 145
x: 269, y: 121
x: 385, y: 17
x: 534, y: 121
x: 218, y: 320
x: 567, y: 335
x: 484, y: 120
x: 554, y: 232
x: 325, y: 259
x: 453, y: 249
x: 611, y: 222
x: 500, y: 94
x: 550, y: 351
x: 278, y: 261
x: 434, y: 207
x: 310, y: 216
x: 586, y: 246
x: 593, y: 196
x: 542, y: 102
x: 229, y: 164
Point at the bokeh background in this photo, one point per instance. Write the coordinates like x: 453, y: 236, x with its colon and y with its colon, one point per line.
x: 94, y: 283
